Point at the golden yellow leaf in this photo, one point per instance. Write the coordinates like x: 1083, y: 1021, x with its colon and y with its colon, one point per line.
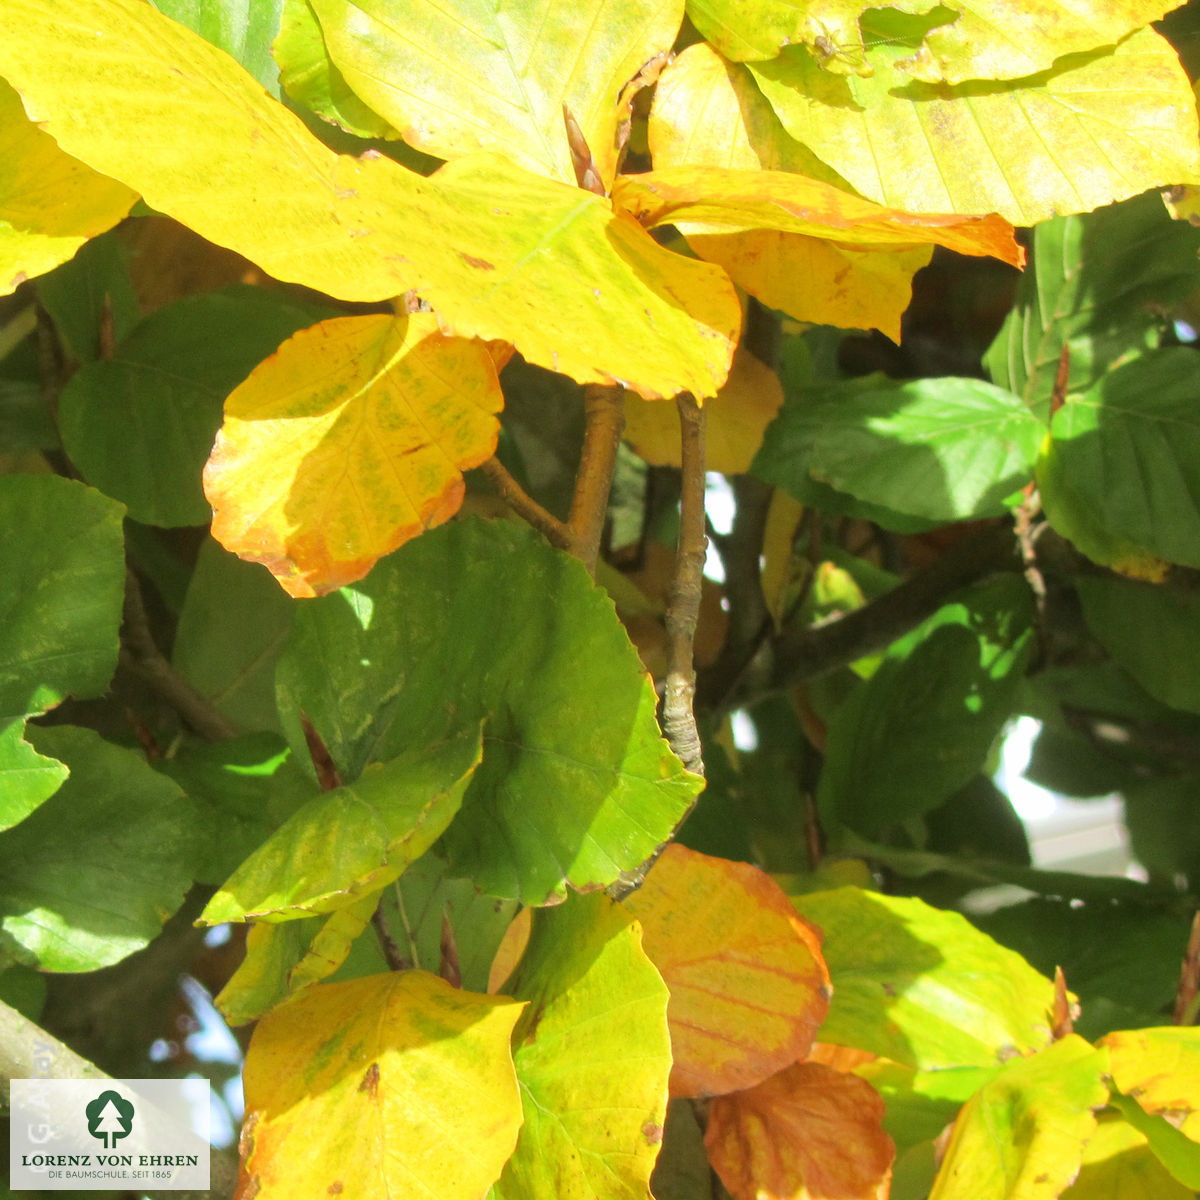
x: 1094, y: 129
x: 499, y: 253
x: 734, y: 420
x: 350, y: 440
x: 807, y: 1133
x: 458, y: 77
x: 50, y: 204
x: 747, y: 981
x: 737, y: 199
x: 708, y: 112
x: 391, y: 1085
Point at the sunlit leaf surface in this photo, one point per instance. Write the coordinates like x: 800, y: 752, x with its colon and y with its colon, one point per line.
x: 394, y: 1084
x: 748, y: 984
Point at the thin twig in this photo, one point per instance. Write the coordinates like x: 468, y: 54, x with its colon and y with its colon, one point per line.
x: 683, y: 610
x: 140, y: 655
x: 604, y: 408
x: 391, y: 951
x: 525, y: 506
x: 1188, y: 992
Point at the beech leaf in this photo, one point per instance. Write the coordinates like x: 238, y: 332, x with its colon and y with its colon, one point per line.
x: 1082, y: 134
x: 748, y: 984
x: 394, y: 1084
x: 458, y: 77
x: 924, y: 987
x: 807, y: 1133
x: 499, y: 253
x: 50, y: 204
x: 1021, y: 1136
x: 592, y: 1053
x: 346, y: 443
x: 575, y: 785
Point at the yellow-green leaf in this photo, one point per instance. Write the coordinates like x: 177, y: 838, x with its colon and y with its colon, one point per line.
x: 592, y: 1053
x: 354, y: 839
x: 392, y: 1085
x: 348, y: 441
x: 1021, y: 1136
x: 739, y: 199
x: 498, y: 252
x: 1161, y: 1069
x: 1118, y: 1164
x: 50, y: 204
x: 708, y: 112
x: 1093, y: 129
x: 457, y: 77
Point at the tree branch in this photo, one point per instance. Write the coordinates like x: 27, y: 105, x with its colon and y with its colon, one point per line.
x: 525, y: 506
x: 683, y: 609
x: 27, y: 1051
x: 605, y: 412
x: 141, y: 656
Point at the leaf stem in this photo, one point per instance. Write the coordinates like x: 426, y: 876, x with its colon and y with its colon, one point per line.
x: 683, y: 609
x: 604, y: 409
x: 525, y: 506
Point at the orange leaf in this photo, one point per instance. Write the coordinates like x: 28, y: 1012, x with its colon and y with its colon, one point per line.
x: 391, y: 1085
x: 747, y: 981
x: 807, y: 1133
x: 731, y: 199
x: 350, y: 440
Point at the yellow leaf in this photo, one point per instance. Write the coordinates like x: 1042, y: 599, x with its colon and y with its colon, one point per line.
x: 708, y: 112
x: 392, y: 1085
x: 1092, y: 130
x: 807, y: 1133
x: 747, y: 981
x: 350, y: 440
x: 50, y: 204
x: 737, y: 199
x: 779, y: 568
x: 457, y: 77
x: 734, y: 420
x: 1118, y: 1164
x: 1161, y: 1069
x: 500, y: 254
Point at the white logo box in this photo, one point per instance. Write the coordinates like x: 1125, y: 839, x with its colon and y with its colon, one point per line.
x: 108, y: 1134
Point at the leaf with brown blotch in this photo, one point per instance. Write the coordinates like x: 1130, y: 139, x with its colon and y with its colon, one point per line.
x: 807, y: 1133
x: 748, y: 984
x: 390, y: 1085
x: 346, y: 443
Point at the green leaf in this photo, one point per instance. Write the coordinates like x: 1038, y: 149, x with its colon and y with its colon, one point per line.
x: 1098, y: 284
x: 91, y: 876
x: 1151, y: 631
x: 1163, y: 834
x: 61, y: 591
x: 920, y: 1104
x: 1083, y: 133
x: 230, y: 782
x: 310, y: 78
x: 244, y: 29
x: 140, y: 425
x: 1121, y: 474
x: 484, y: 622
x: 920, y: 728
x: 942, y: 449
x: 1022, y: 1134
x: 592, y: 1054
x: 90, y: 291
x: 1174, y: 1149
x: 232, y: 663
x: 1125, y: 953
x: 354, y: 839
x: 923, y: 987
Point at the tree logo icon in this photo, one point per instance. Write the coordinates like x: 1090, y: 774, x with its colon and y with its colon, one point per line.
x: 109, y: 1117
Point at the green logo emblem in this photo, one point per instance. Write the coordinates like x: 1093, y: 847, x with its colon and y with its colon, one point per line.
x: 109, y: 1117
